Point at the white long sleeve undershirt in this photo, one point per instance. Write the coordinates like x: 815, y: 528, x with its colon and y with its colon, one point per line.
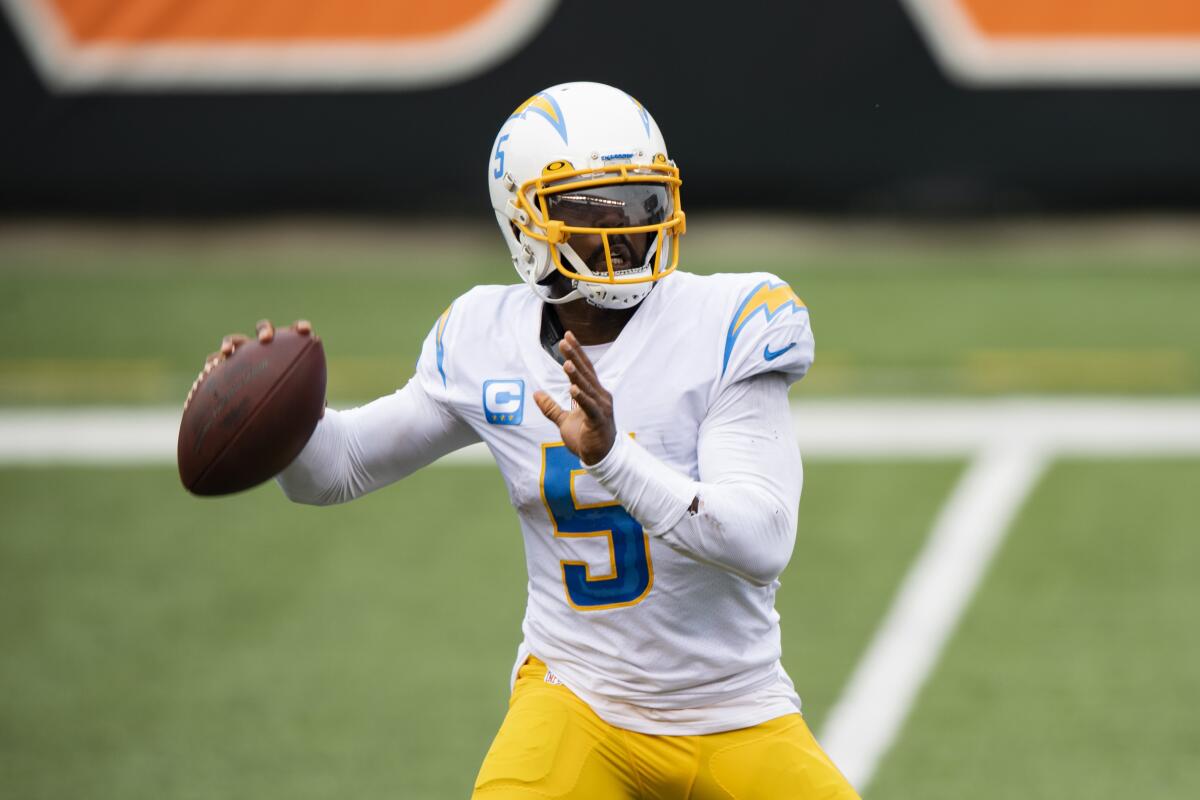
x: 363, y: 449
x: 748, y: 488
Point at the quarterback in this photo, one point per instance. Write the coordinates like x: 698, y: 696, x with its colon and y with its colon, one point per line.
x: 639, y: 416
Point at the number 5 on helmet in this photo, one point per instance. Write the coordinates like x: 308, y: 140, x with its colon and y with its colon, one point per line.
x: 583, y: 166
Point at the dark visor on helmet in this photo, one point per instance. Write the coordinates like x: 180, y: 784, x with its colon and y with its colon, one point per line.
x: 620, y: 206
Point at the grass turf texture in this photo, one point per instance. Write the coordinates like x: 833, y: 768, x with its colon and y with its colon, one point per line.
x: 160, y: 646
x: 1075, y: 671
x: 157, y: 646
x: 132, y: 325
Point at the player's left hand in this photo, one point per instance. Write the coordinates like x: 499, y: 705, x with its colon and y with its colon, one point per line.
x: 588, y: 429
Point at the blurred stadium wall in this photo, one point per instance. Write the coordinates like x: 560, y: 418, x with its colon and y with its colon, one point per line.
x: 175, y: 108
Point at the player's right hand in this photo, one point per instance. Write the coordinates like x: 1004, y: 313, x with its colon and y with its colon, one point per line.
x: 588, y: 429
x: 265, y: 331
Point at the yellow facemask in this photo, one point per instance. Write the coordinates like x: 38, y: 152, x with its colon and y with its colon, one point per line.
x: 559, y: 178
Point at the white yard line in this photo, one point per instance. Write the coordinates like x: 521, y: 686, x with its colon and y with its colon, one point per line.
x: 1009, y: 442
x: 91, y: 436
x: 869, y: 429
x: 928, y: 605
x: 892, y: 428
x: 1013, y: 441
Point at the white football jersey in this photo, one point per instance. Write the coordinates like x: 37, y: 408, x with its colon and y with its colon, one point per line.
x: 616, y: 614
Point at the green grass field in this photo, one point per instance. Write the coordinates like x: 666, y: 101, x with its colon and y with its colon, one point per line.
x: 131, y: 322
x: 1070, y: 675
x: 173, y: 647
x: 153, y: 645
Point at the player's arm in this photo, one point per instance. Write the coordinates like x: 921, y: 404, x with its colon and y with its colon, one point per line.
x: 741, y: 514
x: 362, y: 449
x: 744, y: 514
x: 359, y: 450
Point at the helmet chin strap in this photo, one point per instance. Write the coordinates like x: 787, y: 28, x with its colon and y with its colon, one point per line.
x: 542, y: 290
x: 569, y: 297
x: 611, y: 295
x: 544, y: 293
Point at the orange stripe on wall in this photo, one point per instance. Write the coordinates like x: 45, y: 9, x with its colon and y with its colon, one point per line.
x: 163, y: 21
x: 1110, y: 18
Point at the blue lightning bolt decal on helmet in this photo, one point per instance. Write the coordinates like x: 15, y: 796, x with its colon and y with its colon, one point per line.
x: 581, y: 185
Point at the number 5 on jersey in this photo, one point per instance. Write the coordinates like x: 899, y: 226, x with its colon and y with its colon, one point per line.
x: 628, y: 546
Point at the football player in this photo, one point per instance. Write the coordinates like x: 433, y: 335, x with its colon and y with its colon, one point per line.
x: 640, y: 418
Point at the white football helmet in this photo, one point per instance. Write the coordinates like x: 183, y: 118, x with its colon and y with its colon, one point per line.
x: 581, y: 183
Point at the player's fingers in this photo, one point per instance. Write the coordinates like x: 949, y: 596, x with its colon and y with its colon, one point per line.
x: 579, y: 378
x: 303, y: 327
x: 590, y: 405
x: 266, y: 331
x: 582, y: 375
x: 549, y: 408
x: 232, y: 342
x: 583, y: 360
x: 574, y: 351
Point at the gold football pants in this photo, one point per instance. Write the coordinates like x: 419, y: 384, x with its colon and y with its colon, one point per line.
x: 552, y: 745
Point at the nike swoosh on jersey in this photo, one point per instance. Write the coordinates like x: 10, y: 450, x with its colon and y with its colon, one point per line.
x: 771, y: 355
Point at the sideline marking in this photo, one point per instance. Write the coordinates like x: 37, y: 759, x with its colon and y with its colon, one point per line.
x: 855, y: 429
x: 931, y: 600
x: 1010, y: 442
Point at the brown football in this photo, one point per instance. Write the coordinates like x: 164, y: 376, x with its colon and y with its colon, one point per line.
x: 252, y: 415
